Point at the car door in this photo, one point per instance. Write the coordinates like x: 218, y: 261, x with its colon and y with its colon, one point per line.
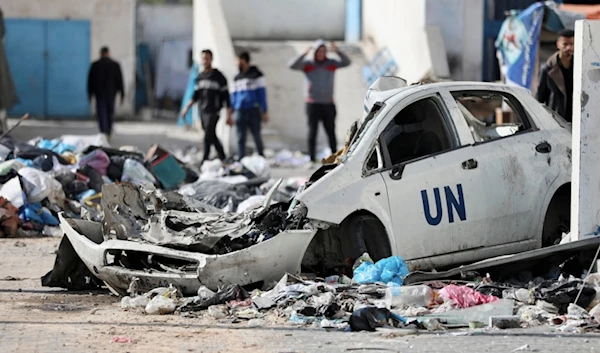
x: 440, y: 200
x: 525, y: 168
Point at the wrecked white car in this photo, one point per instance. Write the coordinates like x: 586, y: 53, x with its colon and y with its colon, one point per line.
x: 440, y: 174
x: 443, y: 174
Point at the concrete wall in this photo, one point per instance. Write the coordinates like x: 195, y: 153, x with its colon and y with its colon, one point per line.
x: 585, y: 185
x: 461, y: 25
x: 285, y: 19
x: 112, y: 24
x: 416, y: 31
x: 399, y: 25
x: 158, y: 22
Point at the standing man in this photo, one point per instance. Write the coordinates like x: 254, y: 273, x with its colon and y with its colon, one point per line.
x: 105, y: 80
x: 249, y: 102
x: 212, y: 95
x: 319, y: 72
x: 555, y: 88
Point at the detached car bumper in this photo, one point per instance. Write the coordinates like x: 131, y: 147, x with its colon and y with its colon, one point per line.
x: 264, y: 262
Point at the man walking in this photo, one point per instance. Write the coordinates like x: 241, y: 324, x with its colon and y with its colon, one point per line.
x: 249, y: 102
x: 555, y: 88
x: 319, y: 72
x: 212, y: 95
x: 105, y: 80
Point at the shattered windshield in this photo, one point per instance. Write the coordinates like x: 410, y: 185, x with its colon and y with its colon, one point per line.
x: 377, y: 107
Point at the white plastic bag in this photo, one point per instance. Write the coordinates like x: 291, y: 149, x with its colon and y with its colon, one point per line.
x: 37, y: 184
x: 11, y: 190
x: 160, y: 305
x: 257, y: 165
x: 205, y: 293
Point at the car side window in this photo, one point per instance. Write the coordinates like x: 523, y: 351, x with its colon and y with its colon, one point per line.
x: 416, y: 131
x: 492, y: 115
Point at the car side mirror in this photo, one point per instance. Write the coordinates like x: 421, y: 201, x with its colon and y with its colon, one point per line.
x: 396, y: 172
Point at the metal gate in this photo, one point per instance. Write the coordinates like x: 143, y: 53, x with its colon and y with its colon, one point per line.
x: 494, y: 14
x: 49, y: 62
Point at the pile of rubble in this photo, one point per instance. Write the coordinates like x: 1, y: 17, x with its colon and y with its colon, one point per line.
x: 367, y: 302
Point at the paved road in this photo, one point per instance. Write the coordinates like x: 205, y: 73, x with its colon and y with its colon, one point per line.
x: 38, y: 319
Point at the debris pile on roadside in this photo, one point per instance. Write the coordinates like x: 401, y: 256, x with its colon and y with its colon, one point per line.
x: 43, y: 177
x: 377, y: 298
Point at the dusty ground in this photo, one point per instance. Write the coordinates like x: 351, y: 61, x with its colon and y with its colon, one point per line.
x: 38, y: 319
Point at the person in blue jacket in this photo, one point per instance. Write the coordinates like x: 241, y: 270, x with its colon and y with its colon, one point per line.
x: 249, y: 103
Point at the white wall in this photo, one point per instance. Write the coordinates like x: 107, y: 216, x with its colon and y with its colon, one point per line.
x: 157, y: 22
x: 285, y: 19
x: 399, y: 25
x: 416, y: 31
x: 461, y: 25
x: 211, y: 31
x: 112, y: 23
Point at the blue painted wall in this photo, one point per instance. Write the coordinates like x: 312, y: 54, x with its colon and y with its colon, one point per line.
x: 49, y: 61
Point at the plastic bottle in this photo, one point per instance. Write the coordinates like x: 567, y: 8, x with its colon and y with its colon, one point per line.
x: 408, y: 295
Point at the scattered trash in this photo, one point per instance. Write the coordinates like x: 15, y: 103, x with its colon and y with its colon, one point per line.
x: 505, y: 322
x: 218, y: 311
x: 524, y: 348
x: 370, y: 318
x: 390, y: 270
x: 121, y: 339
x: 464, y: 297
x: 398, y: 297
x: 135, y: 302
x: 160, y: 305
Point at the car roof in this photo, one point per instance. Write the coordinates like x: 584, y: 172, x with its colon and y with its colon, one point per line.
x: 467, y: 85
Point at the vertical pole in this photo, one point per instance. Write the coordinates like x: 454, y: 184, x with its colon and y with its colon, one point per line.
x: 585, y: 185
x: 353, y: 20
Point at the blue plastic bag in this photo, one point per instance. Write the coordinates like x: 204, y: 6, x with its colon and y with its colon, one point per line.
x: 391, y: 270
x: 36, y: 213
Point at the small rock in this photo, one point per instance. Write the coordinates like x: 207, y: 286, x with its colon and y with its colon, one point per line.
x: 20, y: 244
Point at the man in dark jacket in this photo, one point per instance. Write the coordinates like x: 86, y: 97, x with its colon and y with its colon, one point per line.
x: 212, y: 95
x: 555, y: 87
x: 249, y: 102
x: 319, y: 72
x: 105, y: 80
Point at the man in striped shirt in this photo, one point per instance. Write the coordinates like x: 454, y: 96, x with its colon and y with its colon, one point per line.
x: 249, y: 101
